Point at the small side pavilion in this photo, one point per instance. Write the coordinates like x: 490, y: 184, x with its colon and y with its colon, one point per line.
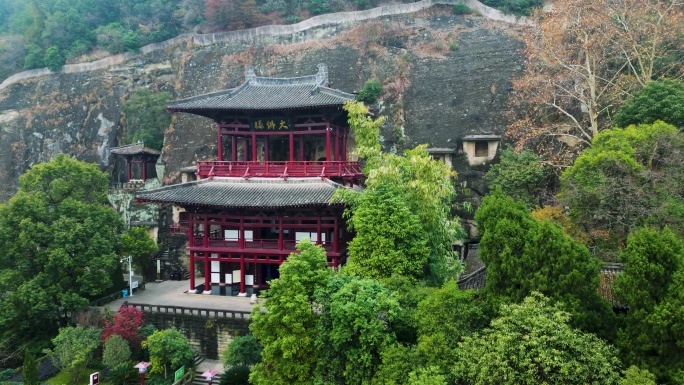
x: 140, y: 161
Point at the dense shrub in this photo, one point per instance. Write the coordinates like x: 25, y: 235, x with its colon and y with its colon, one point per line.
x: 370, y: 92
x: 54, y: 60
x: 236, y: 375
x: 7, y: 374
x: 462, y: 9
x: 516, y: 7
x: 659, y: 100
x: 244, y: 350
x: 123, y: 373
x: 115, y: 351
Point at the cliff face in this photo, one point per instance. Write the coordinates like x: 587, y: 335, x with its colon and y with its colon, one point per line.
x: 445, y: 77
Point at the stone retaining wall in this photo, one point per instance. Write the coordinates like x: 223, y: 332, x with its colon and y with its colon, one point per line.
x: 208, y: 331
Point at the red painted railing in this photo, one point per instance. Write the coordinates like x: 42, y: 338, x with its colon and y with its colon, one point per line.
x: 341, y: 169
x: 179, y: 228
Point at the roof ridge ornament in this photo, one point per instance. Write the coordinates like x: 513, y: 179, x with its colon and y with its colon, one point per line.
x: 322, y: 74
x: 250, y: 76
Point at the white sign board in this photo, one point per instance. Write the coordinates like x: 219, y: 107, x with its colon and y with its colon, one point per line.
x: 95, y: 378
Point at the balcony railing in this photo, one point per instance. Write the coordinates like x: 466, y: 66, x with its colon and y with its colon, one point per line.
x: 340, y: 169
x: 179, y: 228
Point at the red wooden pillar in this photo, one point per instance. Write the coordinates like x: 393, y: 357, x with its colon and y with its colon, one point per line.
x: 292, y: 146
x: 192, y: 271
x: 281, y: 241
x: 242, y: 275
x: 337, y: 144
x: 220, y: 145
x: 233, y: 148
x: 327, y: 144
x: 254, y: 147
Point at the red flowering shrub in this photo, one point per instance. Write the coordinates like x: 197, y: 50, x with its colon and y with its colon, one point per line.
x: 125, y: 323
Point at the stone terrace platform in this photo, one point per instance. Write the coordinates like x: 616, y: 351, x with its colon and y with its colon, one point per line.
x: 172, y: 293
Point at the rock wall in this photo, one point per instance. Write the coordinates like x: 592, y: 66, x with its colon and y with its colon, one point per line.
x: 445, y: 76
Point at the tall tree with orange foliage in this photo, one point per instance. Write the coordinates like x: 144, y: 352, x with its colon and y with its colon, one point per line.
x: 584, y: 58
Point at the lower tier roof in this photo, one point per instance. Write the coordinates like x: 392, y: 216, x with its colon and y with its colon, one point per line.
x: 240, y: 192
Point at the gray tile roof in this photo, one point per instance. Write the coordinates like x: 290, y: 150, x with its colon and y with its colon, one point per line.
x: 239, y: 192
x: 264, y: 94
x: 481, y: 138
x: 134, y: 149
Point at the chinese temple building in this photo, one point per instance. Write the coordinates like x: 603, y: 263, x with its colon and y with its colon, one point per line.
x: 282, y: 153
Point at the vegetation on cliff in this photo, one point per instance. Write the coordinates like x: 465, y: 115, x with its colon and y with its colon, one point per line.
x: 50, y: 33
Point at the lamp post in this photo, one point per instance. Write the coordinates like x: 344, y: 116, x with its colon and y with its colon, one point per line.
x: 209, y: 375
x: 142, y: 368
x: 130, y: 274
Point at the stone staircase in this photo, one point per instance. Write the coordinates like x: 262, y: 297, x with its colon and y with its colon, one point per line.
x: 198, y: 379
x: 176, y: 265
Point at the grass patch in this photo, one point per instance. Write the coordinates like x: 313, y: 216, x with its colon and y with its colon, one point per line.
x: 63, y: 378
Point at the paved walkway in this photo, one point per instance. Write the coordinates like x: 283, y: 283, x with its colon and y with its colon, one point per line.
x: 172, y: 293
x: 208, y: 364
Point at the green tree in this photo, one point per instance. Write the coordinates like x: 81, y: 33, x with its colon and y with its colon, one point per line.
x: 398, y: 361
x: 532, y: 343
x: 390, y: 238
x: 651, y: 335
x: 74, y: 349
x: 446, y: 316
x: 169, y: 349
x: 426, y: 376
x: 116, y: 38
x: 30, y: 370
x: 243, y: 350
x: 408, y: 294
x: 146, y: 117
x: 54, y: 60
x: 34, y: 57
x: 523, y: 255
x: 116, y: 351
x: 354, y: 328
x: 629, y: 178
x: 286, y: 328
x: 58, y: 243
x: 426, y: 189
x: 138, y: 243
x: 520, y: 176
x: 636, y: 376
x: 661, y: 99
